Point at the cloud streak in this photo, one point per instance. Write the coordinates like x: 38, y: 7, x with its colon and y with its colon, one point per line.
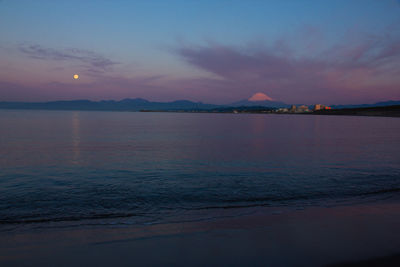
x: 93, y: 62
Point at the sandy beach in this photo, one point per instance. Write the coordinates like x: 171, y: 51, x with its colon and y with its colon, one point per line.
x: 315, y: 236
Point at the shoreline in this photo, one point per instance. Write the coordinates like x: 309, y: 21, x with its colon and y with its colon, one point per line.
x: 333, y: 112
x: 274, y: 113
x: 280, y: 237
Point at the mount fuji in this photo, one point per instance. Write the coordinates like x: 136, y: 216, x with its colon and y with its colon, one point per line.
x: 260, y: 99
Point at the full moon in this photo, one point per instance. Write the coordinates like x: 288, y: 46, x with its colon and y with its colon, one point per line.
x: 76, y: 76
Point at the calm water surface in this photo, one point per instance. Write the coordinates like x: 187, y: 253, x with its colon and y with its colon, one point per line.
x: 76, y: 168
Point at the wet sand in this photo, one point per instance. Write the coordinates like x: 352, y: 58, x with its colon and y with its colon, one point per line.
x: 351, y: 235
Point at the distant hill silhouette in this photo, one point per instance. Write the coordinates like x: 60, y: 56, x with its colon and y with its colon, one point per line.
x: 122, y: 105
x: 263, y: 103
x: 138, y: 104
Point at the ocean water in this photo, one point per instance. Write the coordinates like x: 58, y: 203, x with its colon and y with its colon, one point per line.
x: 73, y: 168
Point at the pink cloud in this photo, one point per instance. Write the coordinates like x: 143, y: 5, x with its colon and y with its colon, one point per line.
x: 351, y: 73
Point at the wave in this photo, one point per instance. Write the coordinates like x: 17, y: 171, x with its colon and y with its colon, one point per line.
x: 382, y: 191
x: 233, y: 203
x: 70, y: 218
x: 270, y: 201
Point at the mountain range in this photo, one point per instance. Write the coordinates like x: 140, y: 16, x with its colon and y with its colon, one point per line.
x: 261, y: 103
x: 138, y: 104
x: 127, y: 104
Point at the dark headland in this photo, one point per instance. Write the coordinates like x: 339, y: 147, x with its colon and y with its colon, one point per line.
x: 386, y: 111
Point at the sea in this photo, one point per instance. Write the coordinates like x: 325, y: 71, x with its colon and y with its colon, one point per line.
x: 61, y: 169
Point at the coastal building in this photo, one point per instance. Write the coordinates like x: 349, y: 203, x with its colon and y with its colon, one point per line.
x: 302, y: 108
x: 320, y: 107
x: 317, y: 107
x: 282, y: 110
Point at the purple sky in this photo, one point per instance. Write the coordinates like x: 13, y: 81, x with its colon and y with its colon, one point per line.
x: 331, y: 53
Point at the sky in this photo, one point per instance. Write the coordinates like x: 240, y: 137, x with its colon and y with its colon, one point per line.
x: 309, y: 51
